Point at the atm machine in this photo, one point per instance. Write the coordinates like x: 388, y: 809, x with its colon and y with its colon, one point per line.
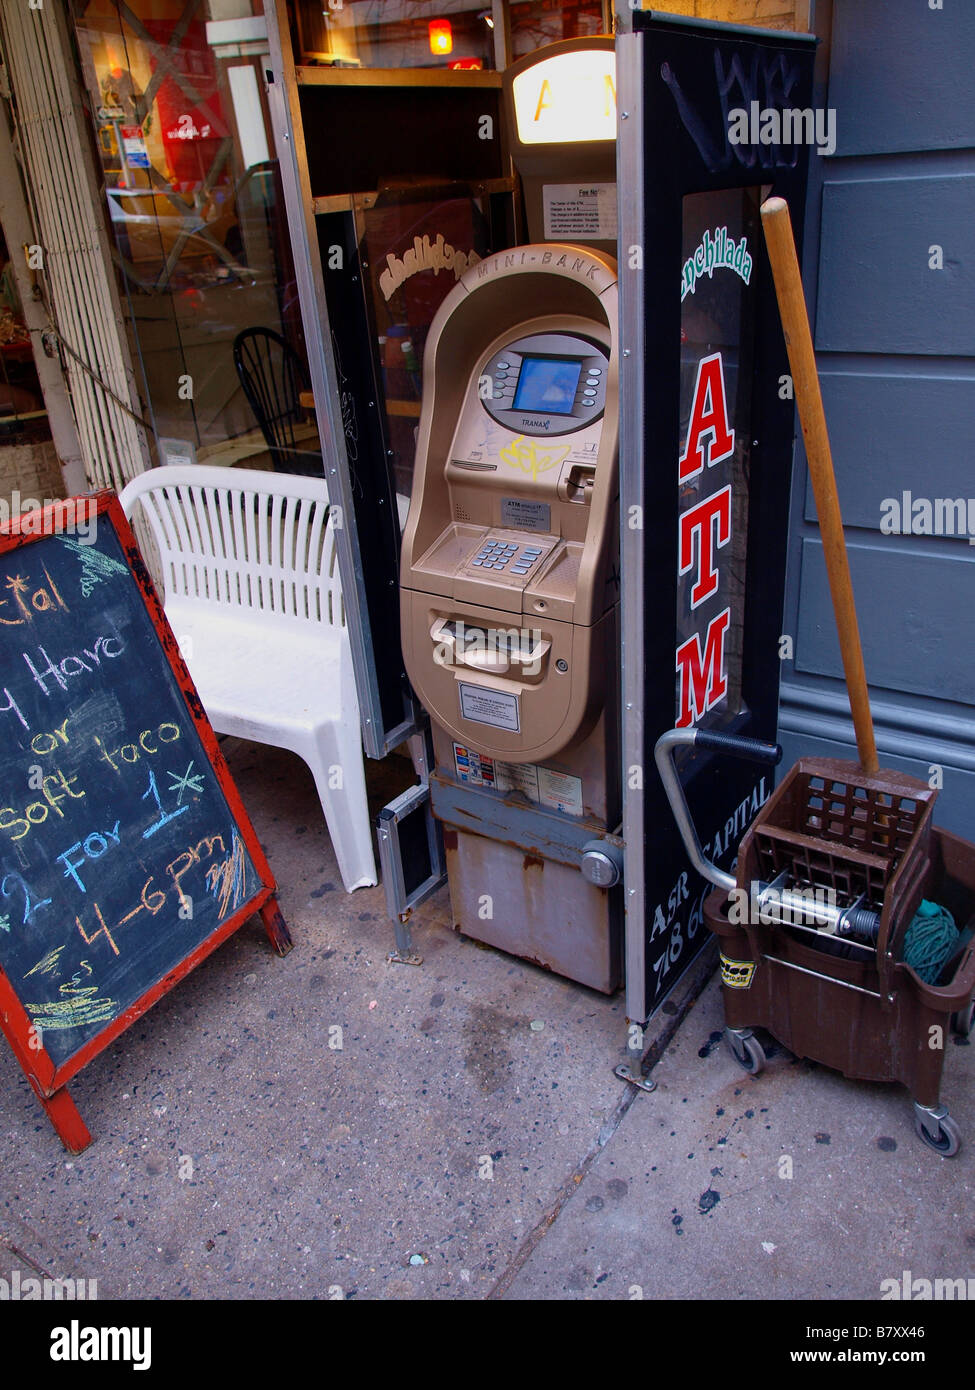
x: 510, y: 592
x: 510, y: 612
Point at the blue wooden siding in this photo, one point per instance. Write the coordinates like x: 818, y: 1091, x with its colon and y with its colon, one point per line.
x: 895, y: 341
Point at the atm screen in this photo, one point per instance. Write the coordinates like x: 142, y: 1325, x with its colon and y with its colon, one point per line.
x: 548, y: 385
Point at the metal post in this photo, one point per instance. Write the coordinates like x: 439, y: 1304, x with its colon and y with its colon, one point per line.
x: 289, y: 141
x: 629, y: 176
x: 501, y: 14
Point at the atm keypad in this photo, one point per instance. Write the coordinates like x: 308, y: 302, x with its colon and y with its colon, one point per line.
x: 506, y: 555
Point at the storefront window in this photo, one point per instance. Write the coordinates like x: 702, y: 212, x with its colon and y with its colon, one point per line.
x: 394, y: 33
x: 23, y: 418
x: 456, y: 34
x: 193, y: 193
x: 538, y: 22
x: 195, y: 205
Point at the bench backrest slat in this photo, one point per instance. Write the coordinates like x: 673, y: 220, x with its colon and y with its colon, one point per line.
x: 247, y: 540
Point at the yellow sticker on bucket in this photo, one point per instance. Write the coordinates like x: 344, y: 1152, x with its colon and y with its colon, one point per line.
x: 737, y: 974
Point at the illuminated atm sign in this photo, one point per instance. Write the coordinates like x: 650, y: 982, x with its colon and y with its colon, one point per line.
x: 568, y: 98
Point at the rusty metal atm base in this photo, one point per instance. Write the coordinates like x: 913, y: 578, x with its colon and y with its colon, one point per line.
x: 533, y: 864
x: 521, y: 889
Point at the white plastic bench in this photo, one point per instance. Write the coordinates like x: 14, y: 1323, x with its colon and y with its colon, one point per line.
x: 252, y: 593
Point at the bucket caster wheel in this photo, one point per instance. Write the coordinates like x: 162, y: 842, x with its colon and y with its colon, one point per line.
x: 938, y: 1130
x: 746, y: 1049
x: 961, y: 1022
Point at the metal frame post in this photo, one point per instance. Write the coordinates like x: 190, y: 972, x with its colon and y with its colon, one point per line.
x: 629, y: 175
x: 289, y: 141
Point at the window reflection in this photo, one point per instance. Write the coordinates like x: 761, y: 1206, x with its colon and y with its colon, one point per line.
x: 195, y: 206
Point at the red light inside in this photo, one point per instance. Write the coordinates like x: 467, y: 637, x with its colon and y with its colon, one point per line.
x: 441, y: 37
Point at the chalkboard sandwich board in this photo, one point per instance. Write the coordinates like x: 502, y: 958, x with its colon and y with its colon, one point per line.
x: 126, y: 856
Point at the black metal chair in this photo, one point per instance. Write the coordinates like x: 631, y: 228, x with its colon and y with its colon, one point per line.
x: 272, y: 374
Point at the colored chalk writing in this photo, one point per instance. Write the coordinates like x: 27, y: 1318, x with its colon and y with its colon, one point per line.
x: 120, y: 853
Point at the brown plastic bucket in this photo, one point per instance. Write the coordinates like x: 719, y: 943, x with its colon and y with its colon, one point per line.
x: 871, y: 1020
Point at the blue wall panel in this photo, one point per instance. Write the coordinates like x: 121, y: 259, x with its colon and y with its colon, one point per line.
x: 901, y: 76
x: 916, y: 612
x: 896, y: 345
x: 892, y: 433
x: 876, y: 290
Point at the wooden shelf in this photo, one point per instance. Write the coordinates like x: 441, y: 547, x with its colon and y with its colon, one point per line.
x: 414, y: 192
x: 411, y: 409
x: 396, y: 77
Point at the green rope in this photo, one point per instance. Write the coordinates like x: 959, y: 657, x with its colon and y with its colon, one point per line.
x: 929, y: 941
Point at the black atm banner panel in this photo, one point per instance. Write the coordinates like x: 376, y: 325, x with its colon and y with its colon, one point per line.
x: 718, y: 434
x: 387, y: 268
x: 366, y: 446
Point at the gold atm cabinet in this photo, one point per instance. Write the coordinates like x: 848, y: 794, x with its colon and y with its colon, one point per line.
x: 509, y: 580
x: 510, y: 599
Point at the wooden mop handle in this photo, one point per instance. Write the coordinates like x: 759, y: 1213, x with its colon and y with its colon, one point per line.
x: 798, y: 339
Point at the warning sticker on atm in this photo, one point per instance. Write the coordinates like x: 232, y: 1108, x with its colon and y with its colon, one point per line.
x: 518, y: 777
x: 560, y: 791
x: 527, y: 516
x: 492, y: 707
x: 583, y: 211
x: 543, y: 786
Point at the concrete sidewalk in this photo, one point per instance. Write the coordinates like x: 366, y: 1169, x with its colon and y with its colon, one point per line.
x: 467, y: 1139
x: 796, y: 1184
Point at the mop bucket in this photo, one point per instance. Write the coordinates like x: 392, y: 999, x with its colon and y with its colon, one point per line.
x: 812, y: 929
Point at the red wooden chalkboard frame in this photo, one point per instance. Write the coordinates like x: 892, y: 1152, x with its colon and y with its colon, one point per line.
x: 47, y: 1079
